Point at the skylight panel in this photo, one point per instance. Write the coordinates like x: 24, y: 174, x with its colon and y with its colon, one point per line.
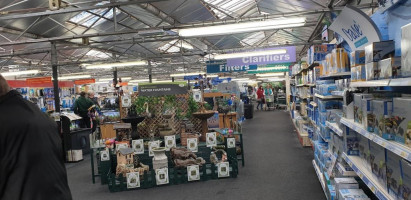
x: 252, y: 39
x: 228, y: 6
x: 88, y: 19
x: 174, y: 46
x: 97, y: 54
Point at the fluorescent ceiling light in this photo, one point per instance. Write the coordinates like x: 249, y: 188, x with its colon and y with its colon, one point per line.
x: 174, y: 46
x: 141, y: 80
x: 249, y: 54
x: 187, y: 74
x: 169, y: 81
x: 19, y: 73
x: 275, y: 79
x: 271, y: 74
x: 212, y: 75
x: 111, y: 65
x: 74, y: 77
x: 110, y: 79
x: 243, y: 27
x: 239, y: 79
x: 97, y: 54
x: 101, y: 82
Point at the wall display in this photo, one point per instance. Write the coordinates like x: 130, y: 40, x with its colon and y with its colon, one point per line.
x: 152, y: 145
x: 162, y: 176
x: 193, y: 172
x: 126, y: 101
x: 170, y: 141
x: 121, y: 145
x: 160, y: 89
x: 223, y: 169
x: 104, y: 156
x: 133, y: 180
x: 230, y: 143
x: 211, y: 139
x: 285, y: 55
x: 356, y: 27
x: 192, y: 144
x: 85, y: 81
x: 197, y: 95
x: 138, y: 146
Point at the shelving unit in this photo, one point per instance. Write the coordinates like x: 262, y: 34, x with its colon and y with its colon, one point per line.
x: 356, y: 164
x: 341, y: 74
x: 337, y: 93
x: 320, y: 177
x: 334, y: 127
x: 399, y: 149
x: 382, y: 83
x: 344, y: 172
x: 328, y: 97
x: 313, y: 104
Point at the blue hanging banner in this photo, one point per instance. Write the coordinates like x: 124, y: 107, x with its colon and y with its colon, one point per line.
x: 193, y: 77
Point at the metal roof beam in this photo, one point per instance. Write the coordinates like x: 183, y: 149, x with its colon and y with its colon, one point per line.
x: 71, y: 10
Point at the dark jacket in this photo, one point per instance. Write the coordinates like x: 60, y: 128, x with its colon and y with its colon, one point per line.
x: 31, y: 153
x: 81, y: 106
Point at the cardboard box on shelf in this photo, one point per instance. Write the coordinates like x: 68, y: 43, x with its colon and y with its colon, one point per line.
x: 385, y: 67
x: 379, y: 50
x: 405, y: 193
x: 351, y: 144
x: 345, y: 183
x: 406, y: 50
x: 358, y: 97
x: 394, y: 180
x: 396, y: 67
x: 372, y: 72
x: 354, y: 73
x: 357, y: 58
x: 377, y: 163
x: 382, y: 111
x: 401, y: 120
x: 364, y: 149
x: 367, y: 116
x: 352, y: 194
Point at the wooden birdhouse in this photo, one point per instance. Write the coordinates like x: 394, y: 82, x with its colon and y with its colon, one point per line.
x: 125, y: 156
x: 123, y: 131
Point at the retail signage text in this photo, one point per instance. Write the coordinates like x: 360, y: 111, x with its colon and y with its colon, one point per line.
x: 219, y: 68
x: 160, y: 89
x: 288, y: 56
x: 38, y: 81
x: 84, y: 81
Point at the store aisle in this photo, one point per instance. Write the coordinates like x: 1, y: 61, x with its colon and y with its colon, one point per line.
x: 277, y: 167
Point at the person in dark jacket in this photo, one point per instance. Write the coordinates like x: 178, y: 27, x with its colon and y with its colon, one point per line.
x: 81, y: 107
x: 31, y: 152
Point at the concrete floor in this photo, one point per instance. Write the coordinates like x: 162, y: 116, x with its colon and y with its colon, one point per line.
x: 276, y: 167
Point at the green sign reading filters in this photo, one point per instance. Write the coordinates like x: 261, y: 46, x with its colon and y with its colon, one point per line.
x: 283, y: 67
x: 160, y: 89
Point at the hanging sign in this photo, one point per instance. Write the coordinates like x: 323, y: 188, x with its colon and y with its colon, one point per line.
x: 191, y: 78
x: 271, y: 68
x: 84, y: 81
x: 288, y: 56
x: 357, y: 29
x: 221, y: 68
x: 385, y: 5
x: 160, y: 89
x: 38, y: 81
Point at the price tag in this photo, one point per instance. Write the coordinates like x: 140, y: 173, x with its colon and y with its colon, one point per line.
x: 361, y: 175
x: 373, y: 189
x: 403, y: 154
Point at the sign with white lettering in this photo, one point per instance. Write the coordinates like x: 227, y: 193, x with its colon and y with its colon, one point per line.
x: 221, y: 68
x: 288, y: 56
x: 160, y: 89
x: 357, y: 29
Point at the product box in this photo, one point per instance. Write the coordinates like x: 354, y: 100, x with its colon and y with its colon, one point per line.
x: 357, y: 58
x: 352, y: 194
x: 367, y: 117
x: 379, y: 50
x: 371, y: 71
x: 377, y: 163
x: 364, y: 149
x: 351, y: 146
x: 401, y: 120
x: 394, y: 180
x: 406, y: 51
x: 385, y: 66
x: 345, y: 183
x: 382, y: 111
x: 361, y: 73
x: 405, y: 192
x: 396, y: 67
x: 358, y: 106
x: 354, y: 74
x: 324, y: 105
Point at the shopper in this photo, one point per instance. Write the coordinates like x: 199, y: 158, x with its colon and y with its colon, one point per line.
x: 81, y: 107
x: 94, y: 99
x: 260, y: 97
x: 31, y: 162
x: 92, y: 111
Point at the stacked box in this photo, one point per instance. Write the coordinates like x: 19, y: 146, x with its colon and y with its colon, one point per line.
x: 396, y: 67
x: 364, y: 149
x: 318, y: 52
x: 377, y: 163
x: 354, y: 73
x: 405, y: 192
x: 406, y: 51
x: 361, y: 73
x: 352, y: 194
x: 351, y: 145
x: 382, y: 111
x: 385, y: 67
x: 358, y: 106
x: 357, y: 58
x: 379, y: 50
x: 324, y: 105
x: 401, y: 120
x: 367, y: 116
x: 394, y: 180
x: 345, y: 183
x: 371, y: 71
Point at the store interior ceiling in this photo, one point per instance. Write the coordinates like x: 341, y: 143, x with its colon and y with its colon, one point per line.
x: 92, y: 32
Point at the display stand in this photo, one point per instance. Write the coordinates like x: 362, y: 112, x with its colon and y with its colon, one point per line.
x: 74, y: 139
